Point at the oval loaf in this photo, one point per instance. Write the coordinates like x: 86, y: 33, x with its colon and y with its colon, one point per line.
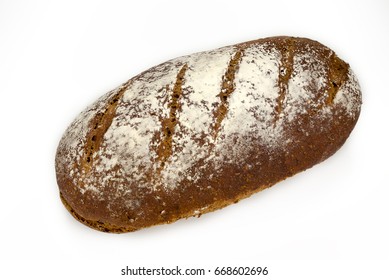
x: 199, y: 132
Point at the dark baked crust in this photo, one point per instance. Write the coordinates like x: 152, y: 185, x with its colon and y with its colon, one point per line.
x: 321, y: 127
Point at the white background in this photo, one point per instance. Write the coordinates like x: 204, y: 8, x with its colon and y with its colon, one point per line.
x: 56, y: 57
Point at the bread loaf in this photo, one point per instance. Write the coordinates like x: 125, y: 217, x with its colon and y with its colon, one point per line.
x: 199, y: 132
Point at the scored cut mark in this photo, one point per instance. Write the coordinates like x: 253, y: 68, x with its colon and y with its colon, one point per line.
x: 337, y: 75
x: 227, y: 88
x: 164, y: 150
x: 285, y: 71
x: 98, y: 126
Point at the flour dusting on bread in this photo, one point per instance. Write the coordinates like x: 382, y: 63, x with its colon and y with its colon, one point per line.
x: 183, y: 123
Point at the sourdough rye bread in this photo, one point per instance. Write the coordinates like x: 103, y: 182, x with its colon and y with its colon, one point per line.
x: 199, y: 132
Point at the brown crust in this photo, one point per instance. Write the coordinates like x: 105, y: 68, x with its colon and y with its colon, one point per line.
x: 314, y: 139
x: 110, y: 228
x: 98, y: 225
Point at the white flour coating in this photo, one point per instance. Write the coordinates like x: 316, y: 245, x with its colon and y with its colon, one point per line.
x: 200, y: 94
x: 348, y: 95
x: 75, y: 141
x: 301, y: 82
x: 251, y: 105
x: 128, y: 151
x: 127, y: 141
